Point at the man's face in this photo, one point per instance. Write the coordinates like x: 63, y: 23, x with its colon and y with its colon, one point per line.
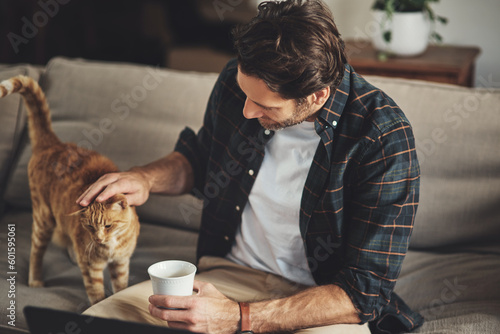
x: 272, y: 111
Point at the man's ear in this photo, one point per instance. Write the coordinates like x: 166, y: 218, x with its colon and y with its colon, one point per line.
x: 320, y: 97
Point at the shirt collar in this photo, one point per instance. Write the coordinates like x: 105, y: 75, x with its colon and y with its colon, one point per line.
x: 331, y: 111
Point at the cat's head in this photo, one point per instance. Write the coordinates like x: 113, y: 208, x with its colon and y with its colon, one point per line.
x: 106, y: 220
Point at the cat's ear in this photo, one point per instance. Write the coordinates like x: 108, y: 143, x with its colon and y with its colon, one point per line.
x: 76, y: 213
x: 118, y: 202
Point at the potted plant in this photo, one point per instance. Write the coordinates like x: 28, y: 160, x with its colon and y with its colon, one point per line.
x: 405, y: 26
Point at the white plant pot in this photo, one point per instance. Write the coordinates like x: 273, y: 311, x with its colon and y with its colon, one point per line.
x: 410, y: 33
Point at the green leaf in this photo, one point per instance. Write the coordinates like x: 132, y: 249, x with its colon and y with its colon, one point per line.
x: 387, y: 36
x: 430, y: 12
x: 382, y: 56
x: 379, y: 5
x: 437, y: 37
x: 442, y: 20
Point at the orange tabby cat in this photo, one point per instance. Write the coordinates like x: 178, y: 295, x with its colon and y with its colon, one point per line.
x: 100, y: 235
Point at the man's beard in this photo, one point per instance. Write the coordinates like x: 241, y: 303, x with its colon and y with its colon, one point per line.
x: 300, y: 114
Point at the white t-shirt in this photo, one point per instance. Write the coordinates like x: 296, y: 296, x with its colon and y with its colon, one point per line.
x: 269, y: 237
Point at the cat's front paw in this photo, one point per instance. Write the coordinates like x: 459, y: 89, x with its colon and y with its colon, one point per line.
x: 36, y: 284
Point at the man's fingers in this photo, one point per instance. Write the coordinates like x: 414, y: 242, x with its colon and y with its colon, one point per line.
x: 197, y: 313
x: 95, y: 189
x: 178, y: 319
x: 107, y: 192
x: 80, y: 200
x: 173, y: 314
x: 88, y: 196
x: 170, y: 301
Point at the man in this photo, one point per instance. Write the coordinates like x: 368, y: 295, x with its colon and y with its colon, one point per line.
x: 321, y: 189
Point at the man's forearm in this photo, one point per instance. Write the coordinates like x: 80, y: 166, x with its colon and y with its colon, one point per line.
x: 314, y: 307
x: 171, y: 175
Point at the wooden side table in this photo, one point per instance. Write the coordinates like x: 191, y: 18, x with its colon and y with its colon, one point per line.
x: 446, y: 64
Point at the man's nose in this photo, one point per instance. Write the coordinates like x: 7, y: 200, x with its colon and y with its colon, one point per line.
x: 251, y: 110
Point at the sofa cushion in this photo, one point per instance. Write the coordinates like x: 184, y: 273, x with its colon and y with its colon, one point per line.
x: 457, y: 133
x: 133, y: 114
x: 12, y: 119
x: 454, y: 292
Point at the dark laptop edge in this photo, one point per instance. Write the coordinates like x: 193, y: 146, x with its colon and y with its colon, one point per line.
x: 51, y: 321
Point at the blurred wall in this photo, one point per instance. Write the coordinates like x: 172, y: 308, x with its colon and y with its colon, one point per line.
x: 145, y: 31
x: 138, y: 31
x: 472, y: 23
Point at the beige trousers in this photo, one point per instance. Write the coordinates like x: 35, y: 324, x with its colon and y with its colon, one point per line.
x: 237, y: 282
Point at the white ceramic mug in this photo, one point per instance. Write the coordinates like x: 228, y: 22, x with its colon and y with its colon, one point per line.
x: 172, y: 277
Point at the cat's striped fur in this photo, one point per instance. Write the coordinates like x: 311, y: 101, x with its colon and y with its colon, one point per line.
x: 100, y: 235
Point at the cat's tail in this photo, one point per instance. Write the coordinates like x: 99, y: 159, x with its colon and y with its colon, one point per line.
x: 40, y: 126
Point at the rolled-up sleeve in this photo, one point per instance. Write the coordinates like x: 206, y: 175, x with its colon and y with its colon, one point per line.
x: 381, y: 212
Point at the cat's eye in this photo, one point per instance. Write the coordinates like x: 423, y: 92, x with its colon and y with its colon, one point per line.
x: 107, y: 226
x: 90, y: 227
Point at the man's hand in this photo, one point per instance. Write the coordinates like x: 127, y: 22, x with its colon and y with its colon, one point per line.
x: 133, y: 184
x: 171, y: 175
x: 209, y: 311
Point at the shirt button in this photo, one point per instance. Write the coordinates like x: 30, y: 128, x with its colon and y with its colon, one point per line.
x: 334, y: 123
x: 251, y: 172
x: 226, y: 238
x: 267, y: 132
x: 238, y: 208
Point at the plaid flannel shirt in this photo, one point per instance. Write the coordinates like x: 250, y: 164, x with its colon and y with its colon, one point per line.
x: 359, y: 200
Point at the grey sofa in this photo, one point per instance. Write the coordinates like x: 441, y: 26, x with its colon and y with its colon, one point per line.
x: 133, y: 114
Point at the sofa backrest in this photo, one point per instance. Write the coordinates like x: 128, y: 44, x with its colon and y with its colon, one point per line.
x: 457, y: 132
x: 133, y: 114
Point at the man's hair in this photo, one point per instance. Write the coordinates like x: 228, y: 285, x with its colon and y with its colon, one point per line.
x: 293, y: 46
